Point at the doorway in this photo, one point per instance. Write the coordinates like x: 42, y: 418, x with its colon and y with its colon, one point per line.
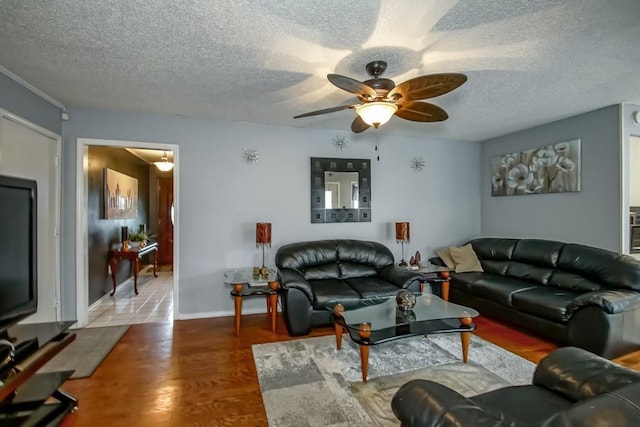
x: 124, y: 300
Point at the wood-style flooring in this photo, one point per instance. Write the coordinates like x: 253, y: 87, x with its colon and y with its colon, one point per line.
x: 198, y: 373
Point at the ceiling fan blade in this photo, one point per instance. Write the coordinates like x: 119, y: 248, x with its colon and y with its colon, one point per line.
x: 359, y: 125
x: 428, y: 86
x: 325, y: 111
x: 351, y: 85
x: 421, y: 112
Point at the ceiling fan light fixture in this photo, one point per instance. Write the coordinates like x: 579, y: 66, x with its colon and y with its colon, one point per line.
x: 164, y: 164
x: 376, y: 113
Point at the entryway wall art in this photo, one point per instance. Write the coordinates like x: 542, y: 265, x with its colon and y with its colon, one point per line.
x: 550, y: 169
x: 120, y: 195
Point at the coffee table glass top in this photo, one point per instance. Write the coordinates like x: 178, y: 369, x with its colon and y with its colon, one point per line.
x: 431, y: 314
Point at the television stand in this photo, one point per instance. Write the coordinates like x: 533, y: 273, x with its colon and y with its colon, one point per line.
x: 28, y: 398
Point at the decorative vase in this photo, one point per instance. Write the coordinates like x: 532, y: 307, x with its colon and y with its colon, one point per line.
x: 405, y: 299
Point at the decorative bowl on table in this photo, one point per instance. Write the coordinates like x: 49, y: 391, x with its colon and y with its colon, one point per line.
x: 405, y: 299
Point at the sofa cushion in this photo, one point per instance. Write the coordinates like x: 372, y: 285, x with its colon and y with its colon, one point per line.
x: 328, y: 290
x: 323, y: 271
x: 363, y: 252
x: 500, y: 289
x: 530, y: 272
x: 572, y: 281
x: 547, y: 302
x: 465, y: 281
x: 495, y: 266
x: 543, y: 253
x: 352, y: 269
x: 445, y: 256
x: 494, y: 248
x: 601, y: 266
x: 302, y: 255
x: 465, y: 259
x: 371, y: 287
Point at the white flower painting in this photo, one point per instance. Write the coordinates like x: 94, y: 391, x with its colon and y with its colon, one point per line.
x: 549, y: 169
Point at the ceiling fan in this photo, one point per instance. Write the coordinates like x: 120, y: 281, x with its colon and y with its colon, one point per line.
x: 380, y: 97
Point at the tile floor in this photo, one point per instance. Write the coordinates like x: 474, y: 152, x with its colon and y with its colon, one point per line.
x: 154, y: 303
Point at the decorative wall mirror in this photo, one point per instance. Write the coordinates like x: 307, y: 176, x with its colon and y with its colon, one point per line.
x: 340, y: 190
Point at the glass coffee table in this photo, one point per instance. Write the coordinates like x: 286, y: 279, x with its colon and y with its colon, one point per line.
x: 373, y: 322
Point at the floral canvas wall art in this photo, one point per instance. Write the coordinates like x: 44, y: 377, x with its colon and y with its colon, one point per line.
x: 550, y: 169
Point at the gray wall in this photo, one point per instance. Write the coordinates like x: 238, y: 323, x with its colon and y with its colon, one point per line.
x: 28, y: 105
x: 221, y: 198
x: 592, y: 216
x: 103, y: 233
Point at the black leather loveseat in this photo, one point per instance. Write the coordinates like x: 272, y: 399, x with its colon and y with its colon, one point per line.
x: 574, y: 294
x: 313, y: 273
x: 571, y: 388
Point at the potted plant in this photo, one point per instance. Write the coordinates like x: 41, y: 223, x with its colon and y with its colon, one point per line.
x: 138, y: 240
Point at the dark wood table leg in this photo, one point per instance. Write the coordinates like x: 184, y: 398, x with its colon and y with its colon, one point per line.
x: 465, y: 337
x: 365, y: 332
x: 337, y: 311
x: 113, y: 263
x: 136, y: 271
x: 155, y: 263
x: 237, y: 300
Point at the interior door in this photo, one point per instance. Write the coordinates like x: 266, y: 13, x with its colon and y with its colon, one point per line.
x: 26, y: 153
x: 165, y: 221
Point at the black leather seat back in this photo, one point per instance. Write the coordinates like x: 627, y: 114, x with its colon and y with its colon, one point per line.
x: 494, y: 253
x: 601, y: 266
x: 334, y: 259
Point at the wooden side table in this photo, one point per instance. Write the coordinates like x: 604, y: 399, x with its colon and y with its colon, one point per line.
x: 134, y: 256
x: 245, y: 284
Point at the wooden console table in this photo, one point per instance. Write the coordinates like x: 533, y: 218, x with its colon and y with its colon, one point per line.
x: 134, y: 256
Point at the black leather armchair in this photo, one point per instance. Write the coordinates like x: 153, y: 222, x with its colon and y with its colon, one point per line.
x: 571, y: 387
x: 314, y: 273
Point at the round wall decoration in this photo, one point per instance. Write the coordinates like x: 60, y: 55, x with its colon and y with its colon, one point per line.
x: 250, y: 156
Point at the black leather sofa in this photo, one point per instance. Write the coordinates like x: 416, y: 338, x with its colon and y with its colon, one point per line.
x: 573, y: 294
x: 311, y: 274
x: 571, y: 387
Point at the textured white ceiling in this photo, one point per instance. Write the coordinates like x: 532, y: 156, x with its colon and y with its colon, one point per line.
x: 264, y: 61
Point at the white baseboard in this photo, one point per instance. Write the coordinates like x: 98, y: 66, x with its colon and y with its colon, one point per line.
x: 225, y: 313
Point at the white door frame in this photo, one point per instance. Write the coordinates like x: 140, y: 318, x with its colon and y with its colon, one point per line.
x: 4, y: 114
x: 82, y: 242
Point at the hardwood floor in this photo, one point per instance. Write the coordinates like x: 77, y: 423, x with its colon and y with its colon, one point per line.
x: 198, y: 373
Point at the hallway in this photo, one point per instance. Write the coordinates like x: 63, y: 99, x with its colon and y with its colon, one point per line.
x: 153, y: 304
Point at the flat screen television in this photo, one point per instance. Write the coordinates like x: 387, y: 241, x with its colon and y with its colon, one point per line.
x: 18, y: 250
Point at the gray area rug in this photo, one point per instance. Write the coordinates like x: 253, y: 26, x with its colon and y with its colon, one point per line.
x: 307, y: 382
x: 87, y: 351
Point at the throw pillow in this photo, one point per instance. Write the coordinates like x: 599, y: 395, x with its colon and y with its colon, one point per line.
x: 445, y: 256
x: 465, y: 259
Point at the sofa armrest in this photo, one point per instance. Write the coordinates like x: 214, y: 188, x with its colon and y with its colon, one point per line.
x: 400, y: 276
x: 578, y: 374
x: 293, y: 279
x: 423, y: 403
x: 612, y: 301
